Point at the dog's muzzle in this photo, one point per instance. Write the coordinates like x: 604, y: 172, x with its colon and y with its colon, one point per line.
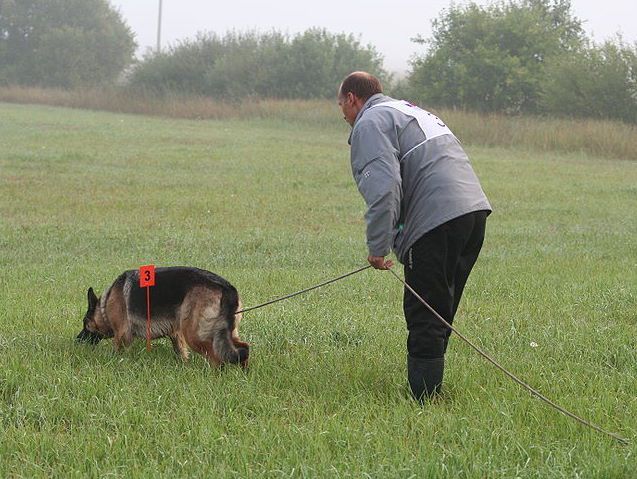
x: 87, y: 336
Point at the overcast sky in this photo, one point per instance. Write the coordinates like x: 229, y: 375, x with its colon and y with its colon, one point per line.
x: 388, y: 25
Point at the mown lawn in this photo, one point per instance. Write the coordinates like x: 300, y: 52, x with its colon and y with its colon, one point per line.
x: 270, y: 205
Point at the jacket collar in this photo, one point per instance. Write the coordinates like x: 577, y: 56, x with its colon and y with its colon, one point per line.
x: 371, y: 101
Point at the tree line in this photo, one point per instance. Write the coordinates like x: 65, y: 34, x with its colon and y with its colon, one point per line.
x: 239, y: 64
x: 525, y: 56
x: 513, y: 56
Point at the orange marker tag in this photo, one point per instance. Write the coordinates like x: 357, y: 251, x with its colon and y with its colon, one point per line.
x: 147, y: 275
x: 147, y: 279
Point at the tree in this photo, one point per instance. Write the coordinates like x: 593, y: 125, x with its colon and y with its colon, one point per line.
x: 493, y: 58
x: 318, y: 61
x: 62, y: 43
x: 599, y: 81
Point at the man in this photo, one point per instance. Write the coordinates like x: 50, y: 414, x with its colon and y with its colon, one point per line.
x: 425, y: 202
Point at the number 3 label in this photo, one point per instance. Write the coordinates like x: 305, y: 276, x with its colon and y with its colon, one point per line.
x: 147, y: 275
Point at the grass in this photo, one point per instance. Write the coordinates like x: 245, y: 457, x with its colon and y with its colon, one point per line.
x: 195, y: 107
x: 269, y: 204
x: 602, y: 139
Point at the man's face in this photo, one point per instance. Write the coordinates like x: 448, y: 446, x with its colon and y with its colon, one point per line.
x: 349, y: 107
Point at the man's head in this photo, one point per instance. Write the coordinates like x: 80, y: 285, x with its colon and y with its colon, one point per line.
x: 355, y: 91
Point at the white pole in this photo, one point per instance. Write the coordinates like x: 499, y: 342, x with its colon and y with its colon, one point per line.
x: 159, y: 29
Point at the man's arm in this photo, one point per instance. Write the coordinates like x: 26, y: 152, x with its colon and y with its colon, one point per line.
x: 376, y: 169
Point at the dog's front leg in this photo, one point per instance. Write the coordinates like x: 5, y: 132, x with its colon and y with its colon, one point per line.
x: 122, y: 339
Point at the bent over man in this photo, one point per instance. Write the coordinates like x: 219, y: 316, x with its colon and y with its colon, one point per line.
x: 425, y: 202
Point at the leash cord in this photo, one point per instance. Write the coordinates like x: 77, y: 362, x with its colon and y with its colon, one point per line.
x: 511, y: 375
x: 305, y: 290
x: 533, y: 391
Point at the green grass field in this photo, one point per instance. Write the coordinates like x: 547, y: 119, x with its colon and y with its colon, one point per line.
x: 270, y: 205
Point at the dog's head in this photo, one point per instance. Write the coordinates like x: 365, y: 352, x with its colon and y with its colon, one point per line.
x: 93, y: 331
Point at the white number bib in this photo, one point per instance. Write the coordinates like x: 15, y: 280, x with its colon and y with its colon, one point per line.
x: 430, y: 124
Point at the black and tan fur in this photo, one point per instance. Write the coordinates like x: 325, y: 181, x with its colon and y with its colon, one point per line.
x: 195, y: 308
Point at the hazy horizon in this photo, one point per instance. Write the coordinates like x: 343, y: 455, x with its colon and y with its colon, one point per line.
x: 377, y: 24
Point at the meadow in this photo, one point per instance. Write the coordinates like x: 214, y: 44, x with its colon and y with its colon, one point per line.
x: 268, y: 202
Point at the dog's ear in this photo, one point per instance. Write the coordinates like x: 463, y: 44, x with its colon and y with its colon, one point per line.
x: 92, y: 299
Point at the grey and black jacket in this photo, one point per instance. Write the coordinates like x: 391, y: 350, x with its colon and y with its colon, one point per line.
x: 411, y: 183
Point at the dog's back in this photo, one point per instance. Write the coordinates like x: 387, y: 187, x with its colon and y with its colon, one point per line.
x: 172, y: 286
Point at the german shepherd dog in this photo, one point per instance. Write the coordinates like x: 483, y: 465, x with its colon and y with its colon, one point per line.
x: 193, y: 307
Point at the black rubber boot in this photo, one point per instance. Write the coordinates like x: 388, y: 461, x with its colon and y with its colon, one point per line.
x: 425, y: 376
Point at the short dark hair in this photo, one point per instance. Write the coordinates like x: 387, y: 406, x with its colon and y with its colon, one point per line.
x: 361, y: 84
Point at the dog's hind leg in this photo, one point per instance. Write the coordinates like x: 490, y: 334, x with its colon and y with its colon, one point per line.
x: 207, y: 329
x: 238, y: 343
x: 205, y: 349
x: 180, y: 345
x: 194, y: 328
x: 235, y: 330
x: 203, y: 346
x: 242, y: 347
x: 227, y: 349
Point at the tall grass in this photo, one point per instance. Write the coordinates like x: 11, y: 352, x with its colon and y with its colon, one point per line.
x: 175, y: 106
x: 599, y: 138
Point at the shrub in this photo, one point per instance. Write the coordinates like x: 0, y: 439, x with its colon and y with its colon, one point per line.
x: 599, y: 82
x: 307, y: 65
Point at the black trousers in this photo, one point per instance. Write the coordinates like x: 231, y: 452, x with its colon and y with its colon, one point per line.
x: 437, y: 267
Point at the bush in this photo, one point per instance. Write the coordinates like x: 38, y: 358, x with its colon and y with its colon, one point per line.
x: 599, y: 82
x: 308, y: 65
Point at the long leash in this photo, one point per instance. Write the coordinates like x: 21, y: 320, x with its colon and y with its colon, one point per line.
x: 508, y: 373
x: 287, y: 296
x: 461, y: 336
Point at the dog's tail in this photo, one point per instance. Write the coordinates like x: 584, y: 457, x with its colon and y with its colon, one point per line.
x: 222, y: 342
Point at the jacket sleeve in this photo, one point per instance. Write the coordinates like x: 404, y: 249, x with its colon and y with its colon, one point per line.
x: 376, y: 170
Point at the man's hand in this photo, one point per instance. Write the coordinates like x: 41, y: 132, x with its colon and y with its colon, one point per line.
x: 379, y: 262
